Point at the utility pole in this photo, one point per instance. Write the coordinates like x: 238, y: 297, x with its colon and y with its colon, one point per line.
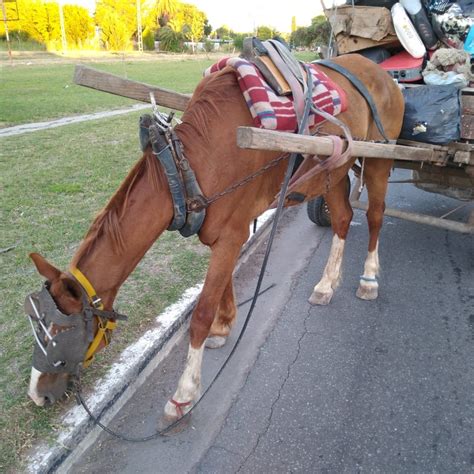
x: 7, y: 36
x: 63, y: 29
x: 139, y: 27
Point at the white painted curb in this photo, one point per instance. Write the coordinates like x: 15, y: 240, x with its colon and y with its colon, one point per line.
x: 38, y: 126
x: 135, y: 362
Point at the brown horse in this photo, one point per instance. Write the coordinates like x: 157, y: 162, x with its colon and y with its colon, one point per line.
x: 141, y: 210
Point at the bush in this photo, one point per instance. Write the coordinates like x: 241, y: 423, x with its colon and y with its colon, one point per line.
x: 149, y: 40
x: 21, y: 41
x: 170, y: 40
x: 208, y: 46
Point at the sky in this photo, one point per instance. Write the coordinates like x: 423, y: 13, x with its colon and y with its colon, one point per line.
x: 243, y: 15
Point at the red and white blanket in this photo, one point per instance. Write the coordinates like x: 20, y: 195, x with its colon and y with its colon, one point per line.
x: 274, y: 112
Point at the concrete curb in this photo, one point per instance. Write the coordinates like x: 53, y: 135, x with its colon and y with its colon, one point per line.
x: 39, y: 126
x: 125, y: 376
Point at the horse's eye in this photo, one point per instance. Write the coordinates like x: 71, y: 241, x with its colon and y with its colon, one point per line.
x: 72, y: 289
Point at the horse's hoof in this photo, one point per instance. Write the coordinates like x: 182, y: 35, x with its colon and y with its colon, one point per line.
x: 172, y: 425
x: 369, y: 293
x: 215, y: 342
x: 320, y: 298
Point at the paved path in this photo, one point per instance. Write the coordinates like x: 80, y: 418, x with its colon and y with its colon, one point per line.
x: 37, y: 126
x: 384, y: 386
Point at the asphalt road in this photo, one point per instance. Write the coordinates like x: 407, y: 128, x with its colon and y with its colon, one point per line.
x: 384, y: 386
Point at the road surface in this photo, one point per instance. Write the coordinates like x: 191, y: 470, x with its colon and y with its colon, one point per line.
x: 383, y: 386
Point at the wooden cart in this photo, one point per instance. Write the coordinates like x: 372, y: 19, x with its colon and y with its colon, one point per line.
x: 447, y: 170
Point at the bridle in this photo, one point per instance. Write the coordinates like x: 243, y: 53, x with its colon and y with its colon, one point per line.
x: 73, y: 343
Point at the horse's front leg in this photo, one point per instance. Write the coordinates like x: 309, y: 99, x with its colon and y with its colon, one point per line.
x: 224, y: 318
x: 219, y: 274
x: 377, y: 173
x: 341, y: 216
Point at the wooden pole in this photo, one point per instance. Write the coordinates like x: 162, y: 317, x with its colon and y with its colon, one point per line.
x: 258, y: 139
x: 7, y: 36
x: 422, y: 219
x: 106, y: 82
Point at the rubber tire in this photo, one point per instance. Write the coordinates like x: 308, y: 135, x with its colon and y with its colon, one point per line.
x: 318, y: 212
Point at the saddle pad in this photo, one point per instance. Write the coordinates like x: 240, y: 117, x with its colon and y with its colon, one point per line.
x: 274, y: 112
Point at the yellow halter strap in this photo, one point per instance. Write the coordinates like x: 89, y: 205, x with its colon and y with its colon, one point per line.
x: 96, y: 302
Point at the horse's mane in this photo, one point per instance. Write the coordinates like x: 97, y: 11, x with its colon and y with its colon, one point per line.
x: 108, y: 220
x: 208, y: 104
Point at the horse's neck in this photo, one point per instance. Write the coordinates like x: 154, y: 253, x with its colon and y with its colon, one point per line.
x: 146, y: 213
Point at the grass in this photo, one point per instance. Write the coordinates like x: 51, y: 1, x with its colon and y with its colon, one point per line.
x: 35, y: 92
x: 32, y: 93
x: 51, y: 186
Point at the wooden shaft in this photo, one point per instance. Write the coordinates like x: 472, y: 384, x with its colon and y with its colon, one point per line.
x: 258, y: 139
x: 106, y: 82
x: 422, y: 219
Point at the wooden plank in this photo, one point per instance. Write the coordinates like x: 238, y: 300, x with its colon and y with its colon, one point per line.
x: 106, y: 82
x: 352, y: 44
x: 422, y: 219
x: 258, y: 139
x: 467, y: 117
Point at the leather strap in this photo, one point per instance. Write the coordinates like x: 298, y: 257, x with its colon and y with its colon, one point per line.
x: 293, y: 75
x: 360, y: 87
x: 89, y: 289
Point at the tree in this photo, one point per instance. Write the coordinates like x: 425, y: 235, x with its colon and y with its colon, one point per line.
x: 266, y: 32
x: 78, y: 24
x: 39, y: 20
x: 223, y: 32
x: 117, y: 20
x: 207, y: 28
x: 299, y: 37
x: 170, y: 39
x: 320, y: 30
x: 316, y: 34
x: 165, y: 10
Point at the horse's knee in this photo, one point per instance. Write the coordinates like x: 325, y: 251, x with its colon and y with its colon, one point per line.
x: 201, y: 322
x: 340, y: 226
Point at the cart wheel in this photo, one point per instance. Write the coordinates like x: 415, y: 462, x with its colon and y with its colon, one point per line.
x: 318, y: 212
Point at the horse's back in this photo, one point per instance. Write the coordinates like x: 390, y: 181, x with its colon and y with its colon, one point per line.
x: 384, y: 91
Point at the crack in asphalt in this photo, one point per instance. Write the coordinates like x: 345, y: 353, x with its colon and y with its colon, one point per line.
x: 237, y: 398
x: 282, y: 385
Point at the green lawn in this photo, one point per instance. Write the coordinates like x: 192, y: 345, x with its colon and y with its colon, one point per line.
x: 52, y: 183
x: 41, y: 92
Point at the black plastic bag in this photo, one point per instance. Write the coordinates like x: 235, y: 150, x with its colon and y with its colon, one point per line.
x: 432, y: 114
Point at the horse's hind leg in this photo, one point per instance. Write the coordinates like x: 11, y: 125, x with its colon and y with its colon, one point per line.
x: 376, y: 176
x: 223, y: 258
x: 341, y: 215
x: 224, y: 318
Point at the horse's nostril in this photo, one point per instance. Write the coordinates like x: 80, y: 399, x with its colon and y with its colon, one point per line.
x: 49, y: 400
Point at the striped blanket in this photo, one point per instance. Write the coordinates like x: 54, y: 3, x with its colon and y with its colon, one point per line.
x: 274, y: 112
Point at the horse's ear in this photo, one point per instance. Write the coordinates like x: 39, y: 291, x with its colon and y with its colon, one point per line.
x: 50, y: 272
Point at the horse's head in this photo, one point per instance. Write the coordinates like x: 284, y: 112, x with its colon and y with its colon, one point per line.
x: 65, y: 322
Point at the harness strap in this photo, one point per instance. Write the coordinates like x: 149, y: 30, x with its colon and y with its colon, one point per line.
x: 179, y: 406
x: 162, y: 151
x: 292, y: 72
x: 360, y: 87
x: 104, y: 328
x: 89, y: 289
x: 101, y: 335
